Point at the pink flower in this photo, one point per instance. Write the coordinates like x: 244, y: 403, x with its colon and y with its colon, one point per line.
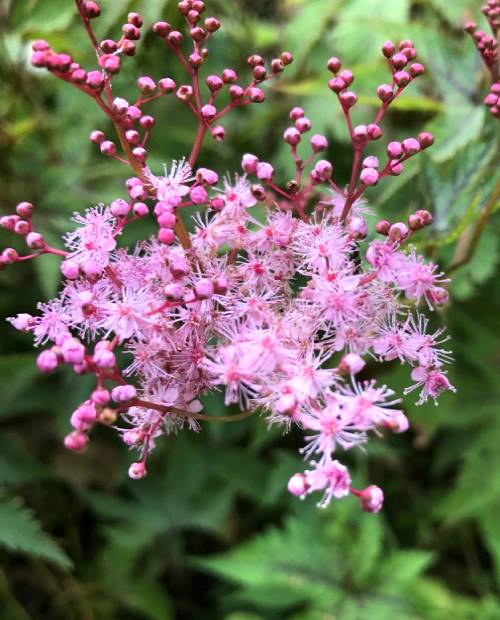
x: 171, y: 187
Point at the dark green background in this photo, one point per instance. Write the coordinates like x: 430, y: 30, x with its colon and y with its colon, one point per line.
x: 212, y: 533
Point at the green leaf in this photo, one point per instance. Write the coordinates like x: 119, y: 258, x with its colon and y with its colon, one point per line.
x: 20, y: 532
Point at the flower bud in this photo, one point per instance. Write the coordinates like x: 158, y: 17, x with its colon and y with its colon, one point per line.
x: 296, y: 113
x: 73, y: 351
x: 47, y: 361
x: 9, y: 256
x: 208, y: 112
x: 256, y: 95
x: 425, y: 139
x: 411, y: 146
x: 292, y: 136
x: 123, y: 393
x: 167, y: 85
x: 108, y: 148
x: 347, y: 77
x: 104, y: 358
x: 91, y: 9
x: 264, y: 171
x: 146, y: 85
x: 398, y: 231
x: 76, y: 441
x: 371, y: 499
x: 382, y: 227
x: 136, y: 471
x: 35, y: 241
x: 303, y: 124
x: 360, y: 133
x: 166, y: 236
x: 214, y: 83
x: 357, y: 227
x: 398, y: 61
x: 100, y: 397
x: 205, y: 175
x: 394, y: 150
x: 174, y: 291
x: 229, y: 76
x: 352, y: 363
x: 297, y: 485
x: 140, y: 209
x: 416, y: 69
x: 24, y: 209
x: 97, y: 137
x: 218, y: 133
x: 334, y: 65
x: 348, y: 99
x: 402, y: 78
x: 323, y: 170
x: 388, y: 49
x: 198, y: 195
x: 249, y: 163
x: 369, y: 176
x: 179, y: 269
x: 203, y: 289
x: 120, y: 207
x: 336, y: 84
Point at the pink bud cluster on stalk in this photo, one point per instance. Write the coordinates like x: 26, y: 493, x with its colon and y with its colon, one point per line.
x: 488, y: 47
x: 283, y: 312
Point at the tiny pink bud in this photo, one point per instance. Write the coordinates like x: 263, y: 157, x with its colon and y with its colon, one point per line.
x: 334, y: 65
x: 357, y: 227
x: 167, y: 85
x: 352, y: 363
x: 372, y: 499
x: 384, y: 92
x: 120, y: 207
x: 297, y: 485
x: 416, y: 69
x: 399, y: 61
x: 249, y: 163
x: 388, y: 49
x: 47, y: 361
x: 208, y: 112
x: 264, y: 171
x: 140, y: 209
x: 382, y: 227
x: 319, y: 143
x: 336, y: 84
x: 24, y: 209
x: 347, y: 77
x: 303, y: 124
x: 9, y: 256
x: 76, y: 441
x: 348, y: 98
x: 205, y: 175
x: 411, y: 146
x: 218, y: 133
x: 136, y: 471
x: 204, y: 289
x: 100, y: 397
x: 22, y: 227
x: 369, y: 176
x: 256, y: 95
x: 123, y: 393
x: 394, y: 150
x: 425, y: 139
x: 35, y: 241
x: 108, y: 148
x: 398, y: 231
x: 146, y: 84
x: 198, y: 195
x: 166, y: 236
x: 292, y: 136
x: 370, y: 162
x: 323, y: 169
x: 296, y: 113
x: 104, y: 358
x: 174, y: 291
x: 167, y: 220
x: 97, y: 137
x: 214, y: 83
x: 402, y: 78
x: 229, y: 76
x: 374, y: 131
x: 73, y: 351
x: 360, y: 133
x: 179, y: 269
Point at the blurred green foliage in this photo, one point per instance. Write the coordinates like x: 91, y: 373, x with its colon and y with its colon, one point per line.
x: 211, y: 533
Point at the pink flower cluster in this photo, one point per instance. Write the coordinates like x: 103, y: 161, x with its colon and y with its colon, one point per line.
x: 487, y: 46
x: 280, y: 296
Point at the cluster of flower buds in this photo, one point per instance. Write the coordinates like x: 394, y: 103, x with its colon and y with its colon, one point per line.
x: 284, y: 310
x: 487, y: 46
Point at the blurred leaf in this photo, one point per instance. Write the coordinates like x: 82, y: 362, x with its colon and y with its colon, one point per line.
x: 21, y: 533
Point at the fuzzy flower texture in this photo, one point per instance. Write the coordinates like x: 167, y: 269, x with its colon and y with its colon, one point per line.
x: 280, y: 296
